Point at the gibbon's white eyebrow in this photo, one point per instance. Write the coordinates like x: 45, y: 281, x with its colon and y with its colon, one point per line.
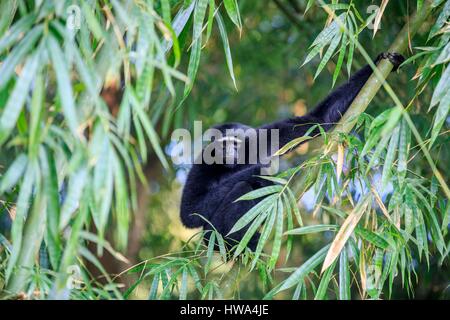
x: 233, y: 139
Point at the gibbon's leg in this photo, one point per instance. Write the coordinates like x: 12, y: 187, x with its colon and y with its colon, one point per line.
x: 331, y: 109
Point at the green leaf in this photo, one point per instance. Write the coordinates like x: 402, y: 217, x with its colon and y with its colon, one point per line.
x: 344, y: 276
x: 442, y: 88
x: 444, y: 57
x: 372, y: 237
x: 194, y: 60
x: 232, y: 9
x: 324, y: 38
x: 258, y: 193
x: 17, y: 98
x: 324, y: 282
x: 152, y: 295
x: 268, y: 226
x: 22, y: 206
x: 72, y: 200
x: 50, y: 178
x: 183, y: 286
x: 291, y: 144
x: 274, y: 179
x: 226, y: 46
x: 250, y: 232
x: 16, y: 31
x: 351, y: 48
x: 390, y: 156
x: 61, y: 68
x: 341, y: 57
x: 149, y: 129
x: 276, y: 247
x: 211, y: 15
x: 333, y: 45
x: 440, y: 117
x: 294, y: 206
x: 309, y: 5
x: 304, y: 269
x: 252, y: 213
x: 165, y: 8
x: 403, y: 151
x: 14, y: 173
x: 210, y: 251
x: 17, y: 55
x: 312, y: 229
x: 441, y: 20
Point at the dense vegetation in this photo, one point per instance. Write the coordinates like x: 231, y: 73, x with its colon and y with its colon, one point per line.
x: 89, y: 197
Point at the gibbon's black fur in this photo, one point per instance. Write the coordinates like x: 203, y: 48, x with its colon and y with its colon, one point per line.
x: 211, y: 189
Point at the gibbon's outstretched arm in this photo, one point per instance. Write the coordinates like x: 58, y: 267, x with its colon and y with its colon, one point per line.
x: 330, y: 110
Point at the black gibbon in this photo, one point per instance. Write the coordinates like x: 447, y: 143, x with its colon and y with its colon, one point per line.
x: 211, y: 189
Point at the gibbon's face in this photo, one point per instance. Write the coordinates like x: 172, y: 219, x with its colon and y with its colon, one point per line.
x: 231, y: 150
x: 227, y: 148
x: 224, y: 151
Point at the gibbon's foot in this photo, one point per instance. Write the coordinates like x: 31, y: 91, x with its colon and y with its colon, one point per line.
x: 395, y: 58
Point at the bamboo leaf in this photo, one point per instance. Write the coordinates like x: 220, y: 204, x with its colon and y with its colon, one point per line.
x: 72, y: 201
x: 403, y: 150
x: 17, y: 55
x: 344, y: 232
x: 276, y: 247
x: 291, y: 144
x: 252, y: 213
x: 376, y: 24
x: 344, y: 276
x: 372, y: 238
x: 14, y: 173
x: 294, y: 206
x: 440, y: 117
x: 250, y: 232
x: 226, y: 46
x: 312, y: 229
x: 333, y: 45
x: 303, y: 270
x: 389, y: 160
x: 259, y: 193
x: 210, y: 251
x: 60, y: 66
x: 17, y: 98
x: 267, y: 230
x: 324, y: 282
x: 183, y: 287
x: 194, y: 60
x: 232, y: 9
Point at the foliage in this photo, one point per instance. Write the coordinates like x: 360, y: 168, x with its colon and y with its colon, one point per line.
x: 72, y: 161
